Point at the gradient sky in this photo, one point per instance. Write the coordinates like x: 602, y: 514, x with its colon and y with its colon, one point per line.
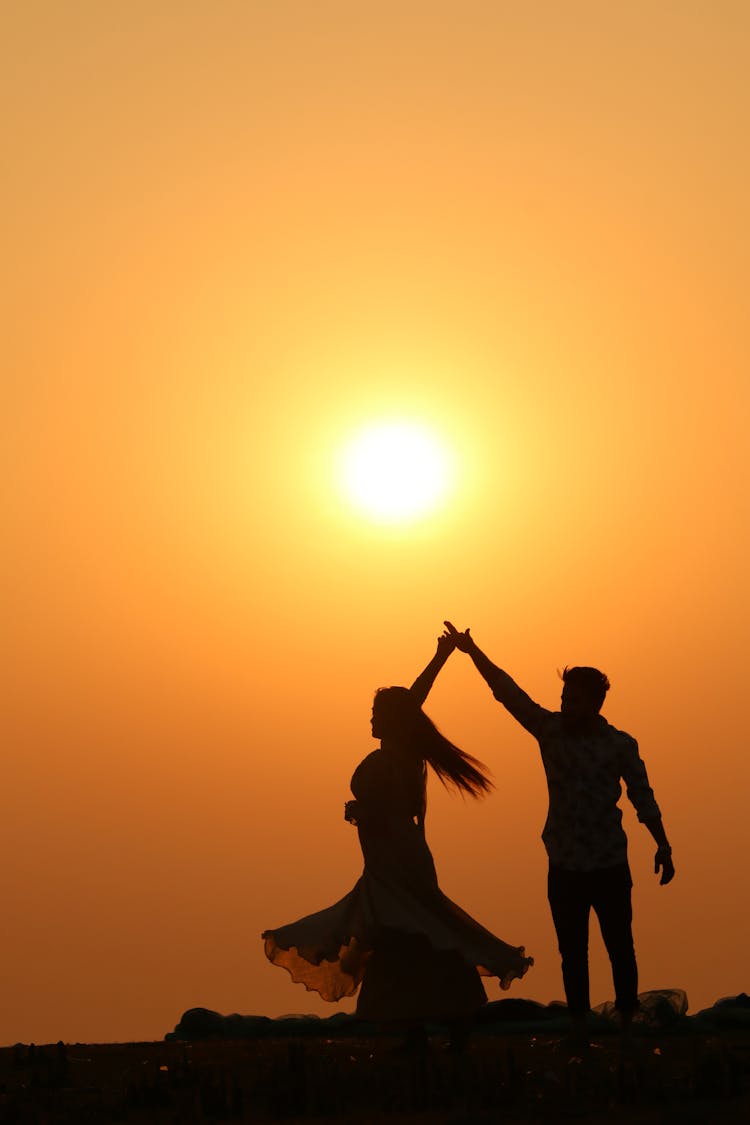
x: 235, y: 232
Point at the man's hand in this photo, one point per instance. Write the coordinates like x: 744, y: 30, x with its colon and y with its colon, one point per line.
x: 462, y: 641
x: 663, y: 863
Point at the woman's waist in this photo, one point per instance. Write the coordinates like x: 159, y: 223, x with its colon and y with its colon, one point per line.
x: 359, y: 811
x: 392, y: 818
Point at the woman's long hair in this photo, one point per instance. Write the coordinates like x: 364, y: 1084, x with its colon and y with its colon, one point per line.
x: 404, y: 718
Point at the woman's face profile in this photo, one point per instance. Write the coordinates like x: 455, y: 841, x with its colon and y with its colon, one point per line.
x: 385, y: 719
x: 376, y: 721
x: 391, y: 715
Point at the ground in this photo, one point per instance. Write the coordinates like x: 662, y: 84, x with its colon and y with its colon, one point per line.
x: 662, y: 1079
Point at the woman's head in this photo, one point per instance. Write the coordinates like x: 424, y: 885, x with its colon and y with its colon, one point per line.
x: 395, y: 712
x: 398, y: 716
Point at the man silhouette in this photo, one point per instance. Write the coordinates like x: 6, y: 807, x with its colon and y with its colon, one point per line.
x: 584, y: 760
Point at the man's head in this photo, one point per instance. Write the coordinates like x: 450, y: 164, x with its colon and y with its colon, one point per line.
x: 583, y: 693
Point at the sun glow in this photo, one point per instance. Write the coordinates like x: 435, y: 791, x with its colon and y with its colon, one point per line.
x: 396, y: 471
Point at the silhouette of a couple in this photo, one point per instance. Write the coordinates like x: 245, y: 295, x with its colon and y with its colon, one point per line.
x: 415, y: 955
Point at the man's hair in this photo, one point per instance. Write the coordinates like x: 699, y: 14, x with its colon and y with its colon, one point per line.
x: 590, y: 680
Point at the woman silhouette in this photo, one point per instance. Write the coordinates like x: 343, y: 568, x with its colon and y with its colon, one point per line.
x: 417, y: 955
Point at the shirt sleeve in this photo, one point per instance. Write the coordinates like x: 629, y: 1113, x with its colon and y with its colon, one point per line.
x: 529, y: 714
x: 638, y: 789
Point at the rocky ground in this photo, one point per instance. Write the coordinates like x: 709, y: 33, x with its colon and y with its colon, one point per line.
x: 663, y: 1078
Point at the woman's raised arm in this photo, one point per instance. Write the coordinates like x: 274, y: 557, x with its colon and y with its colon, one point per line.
x: 420, y: 689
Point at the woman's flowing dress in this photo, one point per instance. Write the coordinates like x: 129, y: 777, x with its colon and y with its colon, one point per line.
x: 416, y: 953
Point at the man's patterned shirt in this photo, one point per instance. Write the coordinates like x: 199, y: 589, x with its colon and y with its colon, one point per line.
x: 584, y: 829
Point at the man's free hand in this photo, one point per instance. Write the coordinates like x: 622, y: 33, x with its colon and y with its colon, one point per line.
x: 663, y: 863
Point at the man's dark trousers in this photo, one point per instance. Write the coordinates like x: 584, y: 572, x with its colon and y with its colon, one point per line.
x: 572, y: 895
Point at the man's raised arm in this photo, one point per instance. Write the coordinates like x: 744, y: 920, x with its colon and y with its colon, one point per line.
x: 505, y: 689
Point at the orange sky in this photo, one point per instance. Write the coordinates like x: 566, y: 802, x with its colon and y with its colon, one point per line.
x: 236, y: 232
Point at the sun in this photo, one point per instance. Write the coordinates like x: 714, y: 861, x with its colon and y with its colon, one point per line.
x: 395, y: 471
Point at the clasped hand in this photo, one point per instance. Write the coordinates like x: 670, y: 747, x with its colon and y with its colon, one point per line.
x: 453, y: 638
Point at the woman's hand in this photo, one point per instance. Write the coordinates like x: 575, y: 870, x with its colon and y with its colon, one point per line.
x: 350, y: 812
x: 446, y: 643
